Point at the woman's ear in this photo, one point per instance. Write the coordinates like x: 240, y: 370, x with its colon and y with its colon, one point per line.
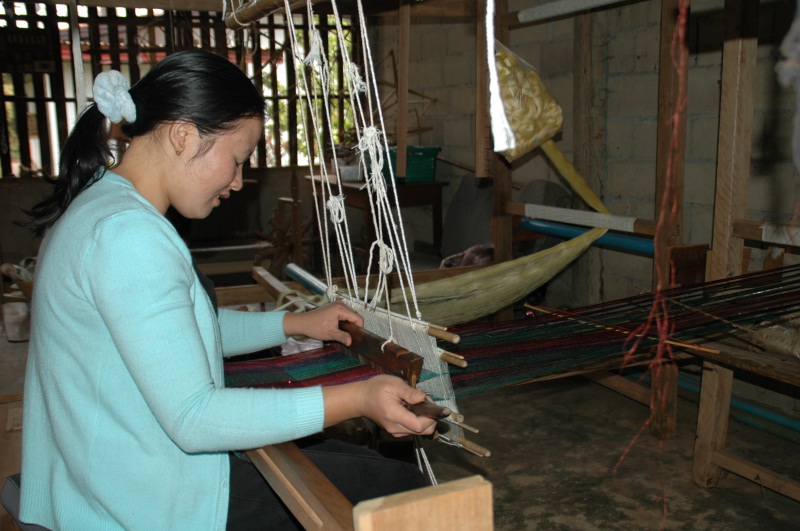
x: 182, y: 135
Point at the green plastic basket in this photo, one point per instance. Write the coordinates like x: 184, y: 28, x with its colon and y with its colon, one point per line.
x: 420, y: 164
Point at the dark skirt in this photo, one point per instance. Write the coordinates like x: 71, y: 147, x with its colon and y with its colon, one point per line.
x: 359, y: 473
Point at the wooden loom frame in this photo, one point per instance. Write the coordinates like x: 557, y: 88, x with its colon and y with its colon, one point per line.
x: 730, y: 230
x: 731, y: 227
x: 317, y: 503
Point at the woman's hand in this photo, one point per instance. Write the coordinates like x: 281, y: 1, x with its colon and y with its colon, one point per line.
x: 381, y: 399
x: 322, y: 323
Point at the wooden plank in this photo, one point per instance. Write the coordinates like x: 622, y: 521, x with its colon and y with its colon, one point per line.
x: 21, y: 119
x: 461, y: 504
x: 403, y: 57
x: 582, y: 88
x: 670, y: 154
x: 179, y: 5
x: 501, y: 184
x: 735, y: 135
x: 306, y: 491
x: 223, y: 268
x: 275, y: 287
x: 712, y: 422
x: 240, y: 295
x: 664, y: 400
x: 483, y: 128
x: 778, y: 367
x: 623, y: 386
x: 646, y: 227
x: 757, y: 474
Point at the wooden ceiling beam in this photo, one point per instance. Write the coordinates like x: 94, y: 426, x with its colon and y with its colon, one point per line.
x: 168, y: 5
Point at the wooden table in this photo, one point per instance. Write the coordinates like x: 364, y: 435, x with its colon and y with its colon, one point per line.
x: 408, y: 195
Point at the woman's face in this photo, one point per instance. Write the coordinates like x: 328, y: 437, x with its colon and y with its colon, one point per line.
x: 210, y: 174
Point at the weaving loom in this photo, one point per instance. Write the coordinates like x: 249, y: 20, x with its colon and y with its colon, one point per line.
x: 755, y: 309
x: 409, y: 330
x: 397, y: 315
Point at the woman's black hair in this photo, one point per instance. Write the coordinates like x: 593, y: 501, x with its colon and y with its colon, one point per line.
x: 192, y: 86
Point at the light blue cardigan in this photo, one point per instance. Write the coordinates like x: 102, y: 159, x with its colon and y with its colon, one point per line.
x: 126, y: 420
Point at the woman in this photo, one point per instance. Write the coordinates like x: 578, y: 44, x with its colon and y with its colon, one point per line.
x: 127, y: 421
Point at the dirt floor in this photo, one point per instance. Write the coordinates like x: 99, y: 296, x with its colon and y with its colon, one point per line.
x: 571, y: 454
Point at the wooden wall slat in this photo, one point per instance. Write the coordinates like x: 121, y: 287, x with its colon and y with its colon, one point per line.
x: 57, y: 88
x: 21, y: 119
x: 42, y: 126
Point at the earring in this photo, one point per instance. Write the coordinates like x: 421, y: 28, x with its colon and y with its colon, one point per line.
x: 178, y: 152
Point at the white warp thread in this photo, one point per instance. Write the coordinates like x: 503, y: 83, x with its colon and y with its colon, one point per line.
x: 412, y: 334
x: 404, y: 330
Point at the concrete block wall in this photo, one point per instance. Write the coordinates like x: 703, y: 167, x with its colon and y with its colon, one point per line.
x: 625, y: 49
x: 624, y: 71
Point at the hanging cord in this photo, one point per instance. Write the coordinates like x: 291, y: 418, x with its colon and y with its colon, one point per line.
x: 316, y: 62
x: 390, y: 248
x: 422, y: 460
x: 402, y: 256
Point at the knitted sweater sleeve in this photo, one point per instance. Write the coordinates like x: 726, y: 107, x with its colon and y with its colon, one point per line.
x: 245, y: 332
x: 144, y: 287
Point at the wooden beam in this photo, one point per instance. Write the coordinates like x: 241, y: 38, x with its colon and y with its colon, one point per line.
x: 223, y: 268
x: 739, y: 57
x: 461, y: 504
x: 256, y: 9
x: 440, y: 8
x: 757, y: 474
x: 306, y: 491
x: 670, y: 156
x: 623, y: 386
x: 646, y: 227
x: 779, y: 367
x: 168, y: 5
x: 670, y: 141
x: 501, y: 185
x: 712, y: 422
x: 483, y: 127
x: 403, y: 58
x: 241, y: 295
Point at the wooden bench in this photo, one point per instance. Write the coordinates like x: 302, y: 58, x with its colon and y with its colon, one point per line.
x: 710, y: 455
x: 317, y: 504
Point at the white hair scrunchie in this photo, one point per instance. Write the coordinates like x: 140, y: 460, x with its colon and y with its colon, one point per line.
x: 112, y: 97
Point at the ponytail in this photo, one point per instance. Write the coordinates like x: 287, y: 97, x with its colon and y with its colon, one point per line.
x: 85, y: 153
